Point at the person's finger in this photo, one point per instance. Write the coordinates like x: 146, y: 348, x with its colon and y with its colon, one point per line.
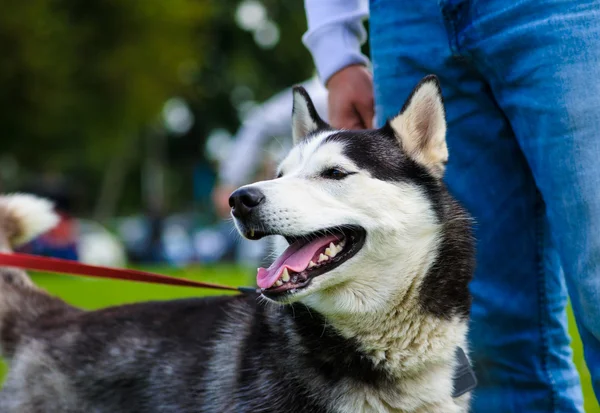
x: 366, y: 111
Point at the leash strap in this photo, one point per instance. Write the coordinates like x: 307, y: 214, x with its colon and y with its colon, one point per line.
x: 45, y: 264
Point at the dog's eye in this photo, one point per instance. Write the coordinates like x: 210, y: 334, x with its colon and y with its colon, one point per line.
x: 279, y: 175
x: 334, y: 173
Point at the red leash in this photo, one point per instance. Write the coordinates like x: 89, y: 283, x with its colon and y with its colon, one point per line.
x: 33, y: 262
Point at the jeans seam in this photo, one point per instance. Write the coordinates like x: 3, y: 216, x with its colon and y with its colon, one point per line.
x: 448, y: 17
x: 541, y: 273
x: 543, y: 299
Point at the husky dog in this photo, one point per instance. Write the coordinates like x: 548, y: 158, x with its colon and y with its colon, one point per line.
x: 363, y: 311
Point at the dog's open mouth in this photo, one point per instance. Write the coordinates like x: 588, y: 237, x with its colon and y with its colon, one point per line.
x: 308, y: 257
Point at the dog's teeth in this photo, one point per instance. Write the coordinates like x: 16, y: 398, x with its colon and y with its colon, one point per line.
x: 278, y: 283
x: 333, y: 250
x: 251, y: 232
x: 285, y: 277
x: 323, y: 257
x: 311, y: 264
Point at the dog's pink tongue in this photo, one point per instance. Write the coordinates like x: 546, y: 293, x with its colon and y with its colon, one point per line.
x: 295, y: 258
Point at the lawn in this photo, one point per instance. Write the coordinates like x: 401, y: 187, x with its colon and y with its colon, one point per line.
x: 92, y: 293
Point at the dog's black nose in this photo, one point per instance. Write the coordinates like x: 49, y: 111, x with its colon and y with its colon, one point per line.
x: 244, y: 199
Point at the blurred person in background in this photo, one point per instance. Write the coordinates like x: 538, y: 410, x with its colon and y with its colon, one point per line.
x: 273, y: 119
x: 522, y: 95
x: 263, y: 139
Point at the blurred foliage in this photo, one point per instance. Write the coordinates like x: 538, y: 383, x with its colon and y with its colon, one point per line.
x: 81, y: 79
x: 78, y: 77
x: 231, y: 60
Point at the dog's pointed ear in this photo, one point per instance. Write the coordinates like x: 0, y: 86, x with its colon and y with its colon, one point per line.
x: 420, y: 127
x: 305, y: 119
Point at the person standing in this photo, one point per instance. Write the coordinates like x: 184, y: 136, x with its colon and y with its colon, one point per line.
x: 521, y: 86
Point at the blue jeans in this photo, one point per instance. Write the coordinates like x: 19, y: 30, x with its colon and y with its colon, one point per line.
x: 521, y: 82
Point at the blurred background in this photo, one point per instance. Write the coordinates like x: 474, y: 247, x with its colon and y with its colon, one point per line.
x: 123, y: 111
x: 138, y: 118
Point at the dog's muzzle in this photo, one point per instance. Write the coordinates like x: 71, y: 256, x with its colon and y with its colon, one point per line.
x: 244, y: 200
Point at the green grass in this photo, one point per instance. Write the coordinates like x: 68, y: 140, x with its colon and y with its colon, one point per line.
x: 93, y: 293
x: 591, y: 405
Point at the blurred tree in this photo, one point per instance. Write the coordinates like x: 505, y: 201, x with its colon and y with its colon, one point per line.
x: 237, y: 71
x: 81, y: 80
x: 79, y: 77
x: 232, y: 71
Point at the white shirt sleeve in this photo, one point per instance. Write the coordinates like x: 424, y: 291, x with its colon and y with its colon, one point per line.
x: 271, y: 119
x: 335, y: 34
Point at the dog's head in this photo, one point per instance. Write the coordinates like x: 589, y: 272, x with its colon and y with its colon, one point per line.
x: 359, y: 209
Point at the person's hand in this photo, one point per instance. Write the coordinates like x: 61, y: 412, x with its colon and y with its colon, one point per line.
x: 350, y: 101
x: 220, y: 197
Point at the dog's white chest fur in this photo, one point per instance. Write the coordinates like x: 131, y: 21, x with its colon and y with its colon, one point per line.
x: 414, y: 397
x: 421, y: 358
x: 428, y: 393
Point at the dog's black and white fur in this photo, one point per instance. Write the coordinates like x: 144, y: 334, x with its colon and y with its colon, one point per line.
x: 373, y: 330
